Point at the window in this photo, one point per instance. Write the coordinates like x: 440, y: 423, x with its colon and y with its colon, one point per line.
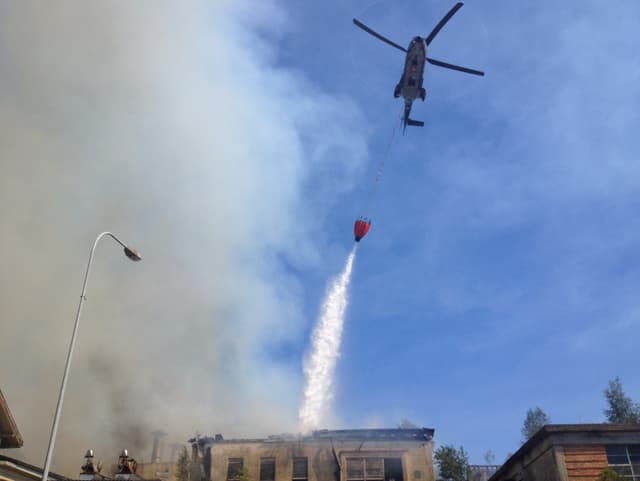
x: 625, y: 460
x: 235, y: 468
x: 393, y: 469
x: 374, y: 469
x: 300, y: 469
x: 267, y: 469
x: 365, y: 469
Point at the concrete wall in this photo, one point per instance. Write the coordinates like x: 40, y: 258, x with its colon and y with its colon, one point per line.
x: 544, y: 467
x: 541, y: 464
x: 560, y: 463
x: 162, y: 471
x: 416, y: 456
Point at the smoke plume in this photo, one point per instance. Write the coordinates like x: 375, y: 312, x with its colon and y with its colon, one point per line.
x: 325, y: 348
x: 172, y: 125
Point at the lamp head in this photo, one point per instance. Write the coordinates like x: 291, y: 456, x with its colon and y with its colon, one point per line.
x: 132, y: 254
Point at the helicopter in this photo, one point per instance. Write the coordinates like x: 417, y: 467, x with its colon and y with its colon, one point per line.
x: 410, y: 85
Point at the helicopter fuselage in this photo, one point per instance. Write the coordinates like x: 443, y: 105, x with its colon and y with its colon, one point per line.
x: 410, y: 85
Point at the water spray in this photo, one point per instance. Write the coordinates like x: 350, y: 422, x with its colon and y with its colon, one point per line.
x: 320, y: 364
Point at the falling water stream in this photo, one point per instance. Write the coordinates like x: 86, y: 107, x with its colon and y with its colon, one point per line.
x: 320, y: 364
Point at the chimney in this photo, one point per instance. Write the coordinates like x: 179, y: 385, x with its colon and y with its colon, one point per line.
x: 156, y: 453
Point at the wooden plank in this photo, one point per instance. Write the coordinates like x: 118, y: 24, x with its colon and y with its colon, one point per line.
x: 585, y: 463
x: 585, y: 448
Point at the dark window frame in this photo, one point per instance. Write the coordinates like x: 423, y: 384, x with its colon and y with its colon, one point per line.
x: 233, y: 471
x: 267, y: 469
x: 629, y: 469
x: 300, y: 476
x: 369, y: 470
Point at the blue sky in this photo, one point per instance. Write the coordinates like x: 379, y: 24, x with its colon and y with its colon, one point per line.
x: 235, y: 143
x: 501, y: 267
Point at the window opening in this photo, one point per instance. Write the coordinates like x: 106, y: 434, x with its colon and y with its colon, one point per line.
x: 625, y: 460
x: 234, y: 468
x: 374, y: 469
x: 300, y: 469
x: 267, y: 469
x: 393, y: 469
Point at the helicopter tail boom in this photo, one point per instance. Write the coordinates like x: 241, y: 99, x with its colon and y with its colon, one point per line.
x: 410, y: 122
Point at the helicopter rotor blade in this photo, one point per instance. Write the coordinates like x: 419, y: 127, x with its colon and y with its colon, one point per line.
x: 377, y: 35
x: 442, y: 22
x: 439, y: 63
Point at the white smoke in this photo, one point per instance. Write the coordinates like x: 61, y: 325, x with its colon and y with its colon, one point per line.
x: 176, y: 126
x: 320, y: 365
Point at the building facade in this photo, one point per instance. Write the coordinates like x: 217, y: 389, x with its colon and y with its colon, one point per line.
x: 327, y: 455
x: 575, y: 452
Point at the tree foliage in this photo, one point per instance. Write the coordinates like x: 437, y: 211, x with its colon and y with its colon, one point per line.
x: 535, y: 419
x: 610, y: 475
x: 620, y: 408
x: 489, y: 457
x: 244, y: 475
x: 183, y: 465
x: 453, y: 464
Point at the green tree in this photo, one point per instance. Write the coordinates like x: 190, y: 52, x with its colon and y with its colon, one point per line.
x: 610, y: 475
x: 244, y: 475
x: 535, y: 419
x: 453, y: 464
x: 620, y: 408
x: 183, y: 465
x: 489, y: 457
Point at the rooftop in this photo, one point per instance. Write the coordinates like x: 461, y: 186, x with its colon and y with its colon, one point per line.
x: 35, y: 471
x: 395, y: 434
x: 566, y: 434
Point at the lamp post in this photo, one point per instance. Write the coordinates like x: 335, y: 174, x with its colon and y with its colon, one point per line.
x: 132, y: 254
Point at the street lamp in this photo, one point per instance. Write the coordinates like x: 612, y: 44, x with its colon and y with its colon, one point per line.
x: 135, y: 256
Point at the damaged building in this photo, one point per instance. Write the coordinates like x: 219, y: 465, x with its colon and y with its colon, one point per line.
x: 325, y: 455
x: 159, y: 466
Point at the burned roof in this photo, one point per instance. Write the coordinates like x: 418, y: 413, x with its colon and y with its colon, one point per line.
x: 417, y: 434
x: 397, y: 434
x: 9, y: 435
